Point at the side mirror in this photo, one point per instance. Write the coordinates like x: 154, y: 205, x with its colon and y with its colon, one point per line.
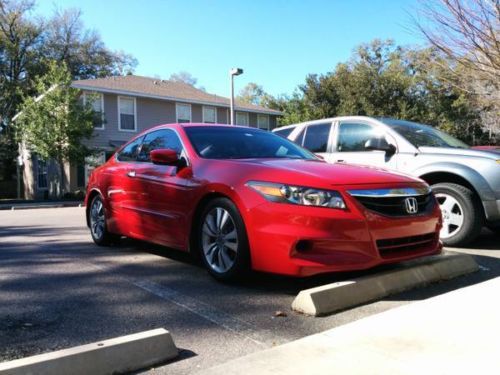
x: 164, y: 156
x: 380, y: 144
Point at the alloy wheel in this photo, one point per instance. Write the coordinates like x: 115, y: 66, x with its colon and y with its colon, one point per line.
x: 452, y: 213
x: 97, y: 219
x: 219, y: 240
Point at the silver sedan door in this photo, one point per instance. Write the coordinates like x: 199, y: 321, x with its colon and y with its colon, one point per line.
x: 349, y: 146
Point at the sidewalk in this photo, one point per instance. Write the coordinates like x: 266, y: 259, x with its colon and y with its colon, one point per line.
x: 23, y: 205
x: 455, y: 333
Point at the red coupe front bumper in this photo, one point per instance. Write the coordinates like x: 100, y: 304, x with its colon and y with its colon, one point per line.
x: 302, y: 241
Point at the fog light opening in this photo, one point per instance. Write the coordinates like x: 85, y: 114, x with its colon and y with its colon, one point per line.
x: 303, y: 246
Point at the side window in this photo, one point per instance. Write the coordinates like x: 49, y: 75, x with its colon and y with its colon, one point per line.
x: 129, y: 152
x: 316, y: 139
x: 164, y: 138
x: 352, y: 137
x: 284, y: 132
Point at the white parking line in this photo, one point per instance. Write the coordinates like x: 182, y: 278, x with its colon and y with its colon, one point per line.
x: 203, y: 310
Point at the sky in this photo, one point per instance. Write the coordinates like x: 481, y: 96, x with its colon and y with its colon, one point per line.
x: 276, y: 42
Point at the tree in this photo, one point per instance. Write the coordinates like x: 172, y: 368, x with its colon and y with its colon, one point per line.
x: 82, y: 50
x: 20, y: 40
x: 185, y: 77
x: 252, y: 93
x: 385, y: 80
x: 467, y: 33
x: 27, y: 42
x: 293, y: 107
x: 54, y: 124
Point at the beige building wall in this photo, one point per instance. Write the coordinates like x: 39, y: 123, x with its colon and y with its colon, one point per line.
x: 149, y: 113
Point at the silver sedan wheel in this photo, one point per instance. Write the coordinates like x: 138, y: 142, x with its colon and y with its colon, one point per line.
x: 219, y: 240
x: 453, y: 215
x: 97, y: 219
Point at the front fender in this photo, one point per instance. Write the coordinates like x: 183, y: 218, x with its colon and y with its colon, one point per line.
x: 479, y: 183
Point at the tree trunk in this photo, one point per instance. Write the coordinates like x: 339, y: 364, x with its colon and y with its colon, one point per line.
x: 62, y: 179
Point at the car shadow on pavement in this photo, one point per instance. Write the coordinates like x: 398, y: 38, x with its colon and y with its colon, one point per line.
x: 259, y: 282
x: 488, y: 240
x: 60, y: 290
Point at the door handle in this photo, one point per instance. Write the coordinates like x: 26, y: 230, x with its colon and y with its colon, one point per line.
x: 131, y: 173
x: 340, y: 161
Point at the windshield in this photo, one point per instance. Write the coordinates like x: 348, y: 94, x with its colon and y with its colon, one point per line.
x: 226, y: 142
x: 421, y: 135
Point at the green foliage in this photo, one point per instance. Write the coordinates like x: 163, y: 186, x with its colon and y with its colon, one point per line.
x: 385, y: 80
x: 27, y: 43
x: 54, y: 124
x: 252, y: 93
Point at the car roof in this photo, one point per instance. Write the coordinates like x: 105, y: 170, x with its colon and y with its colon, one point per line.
x: 328, y: 119
x: 177, y: 125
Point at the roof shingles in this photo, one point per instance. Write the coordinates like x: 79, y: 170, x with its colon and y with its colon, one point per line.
x: 163, y: 89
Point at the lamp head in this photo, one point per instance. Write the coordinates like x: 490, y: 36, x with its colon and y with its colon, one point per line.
x: 236, y: 71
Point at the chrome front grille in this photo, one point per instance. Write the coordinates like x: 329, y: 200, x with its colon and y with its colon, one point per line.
x: 396, y: 202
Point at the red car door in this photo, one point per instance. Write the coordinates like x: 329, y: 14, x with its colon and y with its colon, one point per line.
x: 164, y: 191
x: 122, y: 191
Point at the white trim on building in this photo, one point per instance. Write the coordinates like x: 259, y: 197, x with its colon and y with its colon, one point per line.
x: 204, y: 116
x: 179, y: 100
x: 263, y: 122
x: 241, y: 118
x: 120, y: 98
x: 181, y: 113
x: 101, y: 97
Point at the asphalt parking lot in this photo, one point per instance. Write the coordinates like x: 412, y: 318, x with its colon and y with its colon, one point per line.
x: 57, y: 290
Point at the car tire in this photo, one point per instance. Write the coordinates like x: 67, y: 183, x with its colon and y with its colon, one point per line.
x: 462, y: 213
x: 98, y: 225
x: 222, y: 240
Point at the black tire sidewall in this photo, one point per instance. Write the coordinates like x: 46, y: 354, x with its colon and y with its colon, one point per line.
x: 241, y: 265
x: 473, y: 216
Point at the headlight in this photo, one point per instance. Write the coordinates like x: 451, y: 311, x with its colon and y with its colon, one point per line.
x: 498, y: 161
x: 301, y: 195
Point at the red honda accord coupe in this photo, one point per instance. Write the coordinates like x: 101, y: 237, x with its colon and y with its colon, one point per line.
x: 245, y: 198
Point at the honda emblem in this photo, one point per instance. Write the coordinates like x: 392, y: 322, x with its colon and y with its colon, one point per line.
x: 411, y: 205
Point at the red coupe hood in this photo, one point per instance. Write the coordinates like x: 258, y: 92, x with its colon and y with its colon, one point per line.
x: 335, y: 174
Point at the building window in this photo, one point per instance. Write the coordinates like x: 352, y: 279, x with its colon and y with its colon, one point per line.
x: 127, y: 114
x: 209, y: 115
x: 183, y: 112
x: 242, y: 118
x: 263, y: 122
x: 97, y: 102
x: 42, y: 174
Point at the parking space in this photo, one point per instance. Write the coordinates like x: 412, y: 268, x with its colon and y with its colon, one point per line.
x: 60, y: 290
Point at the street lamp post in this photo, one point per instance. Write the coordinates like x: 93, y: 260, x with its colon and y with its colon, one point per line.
x: 233, y: 72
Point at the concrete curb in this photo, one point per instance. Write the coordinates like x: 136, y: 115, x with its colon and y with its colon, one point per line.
x: 31, y: 206
x: 117, y: 355
x: 327, y: 299
x: 453, y: 333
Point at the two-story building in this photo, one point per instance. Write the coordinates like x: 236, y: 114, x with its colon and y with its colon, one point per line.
x: 127, y: 105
